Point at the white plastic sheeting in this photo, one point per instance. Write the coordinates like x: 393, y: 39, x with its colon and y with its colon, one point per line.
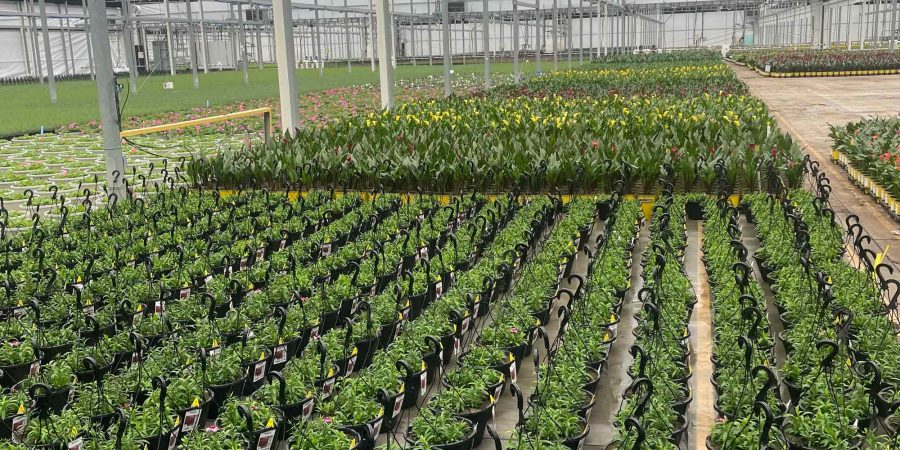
x: 68, y: 43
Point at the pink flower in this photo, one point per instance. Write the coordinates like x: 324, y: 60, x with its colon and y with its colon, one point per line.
x: 212, y: 428
x: 513, y: 329
x: 327, y: 420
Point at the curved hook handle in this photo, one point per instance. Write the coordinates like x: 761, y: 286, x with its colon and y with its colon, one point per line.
x: 282, y: 385
x: 244, y: 412
x: 828, y: 360
x: 632, y: 423
x: 770, y: 383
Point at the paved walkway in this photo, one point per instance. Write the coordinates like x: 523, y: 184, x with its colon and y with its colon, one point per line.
x: 804, y: 107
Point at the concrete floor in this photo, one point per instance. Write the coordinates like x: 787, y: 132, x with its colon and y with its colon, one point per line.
x: 804, y: 107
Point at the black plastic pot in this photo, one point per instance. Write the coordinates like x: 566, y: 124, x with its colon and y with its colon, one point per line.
x: 466, y: 443
x: 413, y: 387
x: 50, y: 353
x: 11, y: 375
x: 6, y: 425
x: 221, y: 393
x: 388, y: 333
x: 256, y: 374
x: 575, y: 442
x: 367, y: 440
x: 192, y: 419
x: 416, y: 305
x: 393, y: 406
x: 694, y: 210
x: 162, y: 441
x: 480, y: 419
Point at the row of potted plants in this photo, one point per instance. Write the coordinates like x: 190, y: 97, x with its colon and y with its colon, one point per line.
x: 809, y: 60
x: 556, y: 408
x: 871, y: 147
x: 550, y: 141
x: 654, y: 406
x: 563, y: 395
x: 748, y: 401
x: 833, y: 318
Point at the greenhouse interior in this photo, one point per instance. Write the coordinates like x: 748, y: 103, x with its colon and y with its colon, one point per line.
x: 449, y: 225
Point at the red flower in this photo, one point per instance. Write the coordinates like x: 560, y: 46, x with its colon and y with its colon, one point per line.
x: 595, y: 144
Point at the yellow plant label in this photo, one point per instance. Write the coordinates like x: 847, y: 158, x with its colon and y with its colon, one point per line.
x: 196, y: 402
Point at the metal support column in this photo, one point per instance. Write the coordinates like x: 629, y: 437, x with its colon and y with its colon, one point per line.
x: 569, y: 34
x: 517, y: 76
x: 486, y: 43
x: 385, y: 42
x: 204, y: 44
x: 317, y: 37
x: 51, y: 78
x: 170, y: 44
x: 106, y: 96
x: 129, y: 46
x: 259, y: 54
x: 553, y: 35
x: 347, y: 38
x: 372, y: 41
x: 540, y: 41
x: 192, y: 51
x: 894, y: 7
x: 445, y: 48
x: 429, y: 27
x: 284, y: 58
x: 243, y: 43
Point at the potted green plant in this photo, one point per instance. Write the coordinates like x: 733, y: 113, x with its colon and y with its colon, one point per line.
x: 473, y: 403
x: 441, y: 431
x: 13, y: 409
x: 323, y: 434
x: 43, y: 433
x: 362, y: 415
x: 255, y: 420
x: 18, y: 360
x: 214, y: 438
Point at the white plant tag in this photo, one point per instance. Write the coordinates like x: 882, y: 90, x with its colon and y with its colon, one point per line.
x: 184, y: 293
x: 18, y: 427
x: 456, y: 345
x: 328, y: 387
x: 190, y: 420
x: 326, y: 249
x: 378, y: 427
x: 512, y: 373
x: 351, y: 364
x: 423, y: 383
x: 259, y: 371
x: 307, y: 409
x: 265, y: 440
x: 398, y: 406
x: 260, y: 253
x: 77, y: 444
x: 438, y: 289
x: 280, y: 354
x: 35, y: 368
x: 465, y: 324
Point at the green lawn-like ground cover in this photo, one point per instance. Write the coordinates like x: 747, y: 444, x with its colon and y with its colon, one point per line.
x: 27, y: 108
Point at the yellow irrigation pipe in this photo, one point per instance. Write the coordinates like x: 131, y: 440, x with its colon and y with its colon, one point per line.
x: 265, y: 112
